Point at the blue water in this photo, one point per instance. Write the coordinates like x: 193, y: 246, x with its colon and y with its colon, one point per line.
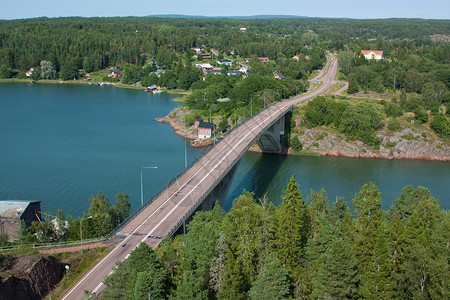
x: 60, y: 144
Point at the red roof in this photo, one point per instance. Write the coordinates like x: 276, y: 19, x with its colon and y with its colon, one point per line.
x: 376, y: 52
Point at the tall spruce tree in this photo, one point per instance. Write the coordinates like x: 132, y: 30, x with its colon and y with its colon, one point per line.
x: 294, y: 223
x: 337, y: 276
x: 272, y: 282
x: 368, y: 227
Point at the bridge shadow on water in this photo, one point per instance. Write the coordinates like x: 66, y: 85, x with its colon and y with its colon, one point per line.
x: 255, y: 173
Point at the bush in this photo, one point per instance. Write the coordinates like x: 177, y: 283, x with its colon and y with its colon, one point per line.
x: 394, y: 125
x: 296, y: 144
x: 421, y: 115
x: 441, y: 125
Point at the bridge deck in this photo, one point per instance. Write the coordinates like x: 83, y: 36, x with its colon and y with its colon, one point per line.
x: 180, y: 199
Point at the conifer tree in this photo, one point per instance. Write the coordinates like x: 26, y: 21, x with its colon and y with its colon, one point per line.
x: 272, y: 282
x: 294, y: 225
x: 337, y: 276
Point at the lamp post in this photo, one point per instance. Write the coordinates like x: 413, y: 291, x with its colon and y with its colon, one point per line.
x: 142, y: 187
x: 81, y: 232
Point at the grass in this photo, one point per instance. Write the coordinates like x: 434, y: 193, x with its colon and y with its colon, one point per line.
x: 305, y: 153
x: 79, y: 265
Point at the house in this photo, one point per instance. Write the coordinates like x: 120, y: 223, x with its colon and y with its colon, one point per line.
x: 279, y: 76
x: 115, y: 74
x: 205, y: 66
x: 13, y: 212
x: 197, y: 49
x: 372, y: 54
x: 307, y: 57
x: 225, y: 62
x: 29, y: 72
x: 247, y: 59
x: 243, y: 29
x: 264, y: 60
x: 234, y: 72
x: 244, y: 69
x: 205, y: 56
x: 206, y: 130
x: 156, y: 73
x: 296, y: 57
x: 154, y: 89
x: 215, y: 71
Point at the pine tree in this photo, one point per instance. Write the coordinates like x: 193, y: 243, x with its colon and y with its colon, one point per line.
x: 272, y: 282
x: 294, y: 225
x: 337, y: 276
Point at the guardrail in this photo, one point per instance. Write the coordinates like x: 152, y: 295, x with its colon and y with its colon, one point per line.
x: 55, y: 244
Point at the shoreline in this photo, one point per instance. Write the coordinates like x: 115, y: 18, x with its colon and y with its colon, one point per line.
x: 181, y: 131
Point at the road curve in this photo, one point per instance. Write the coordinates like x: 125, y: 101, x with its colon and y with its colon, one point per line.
x: 157, y: 219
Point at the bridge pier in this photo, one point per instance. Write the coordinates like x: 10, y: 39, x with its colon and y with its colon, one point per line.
x: 272, y: 140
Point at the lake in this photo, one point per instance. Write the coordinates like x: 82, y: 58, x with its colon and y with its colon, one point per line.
x: 62, y: 143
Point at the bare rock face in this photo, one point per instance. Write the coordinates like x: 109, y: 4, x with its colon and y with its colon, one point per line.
x: 30, y: 278
x: 405, y: 144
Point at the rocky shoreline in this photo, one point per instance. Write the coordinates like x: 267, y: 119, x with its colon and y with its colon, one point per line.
x: 408, y: 143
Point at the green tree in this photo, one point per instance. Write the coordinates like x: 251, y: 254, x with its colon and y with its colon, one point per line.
x: 272, y: 281
x: 368, y: 227
x: 293, y: 227
x: 47, y: 70
x: 441, y: 125
x: 353, y: 85
x: 69, y: 69
x: 296, y: 144
x: 421, y: 115
x: 337, y: 276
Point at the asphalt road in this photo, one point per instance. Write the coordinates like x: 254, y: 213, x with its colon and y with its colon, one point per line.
x: 158, y: 218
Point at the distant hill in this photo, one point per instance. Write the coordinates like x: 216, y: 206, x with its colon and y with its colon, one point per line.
x: 227, y: 17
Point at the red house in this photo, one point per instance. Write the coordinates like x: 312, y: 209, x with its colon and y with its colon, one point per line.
x: 206, y: 130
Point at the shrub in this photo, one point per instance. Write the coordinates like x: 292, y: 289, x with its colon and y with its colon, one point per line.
x: 296, y: 144
x: 421, y: 115
x: 394, y: 125
x: 441, y: 125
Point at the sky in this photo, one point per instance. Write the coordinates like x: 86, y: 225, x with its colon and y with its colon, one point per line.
x: 357, y: 9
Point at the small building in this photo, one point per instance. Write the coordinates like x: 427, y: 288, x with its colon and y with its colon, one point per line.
x: 234, y: 73
x: 225, y: 62
x: 244, y: 69
x: 13, y: 212
x: 29, y: 72
x: 264, y: 60
x: 279, y: 76
x: 205, y: 56
x: 307, y: 57
x: 372, y: 54
x: 243, y: 29
x: 154, y: 89
x: 197, y: 49
x: 206, y: 130
x: 215, y: 71
x: 296, y: 57
x: 115, y: 74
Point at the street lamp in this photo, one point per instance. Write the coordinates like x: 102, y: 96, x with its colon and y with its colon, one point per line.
x: 81, y: 232
x: 142, y: 187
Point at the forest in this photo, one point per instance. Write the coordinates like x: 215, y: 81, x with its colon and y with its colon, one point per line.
x: 150, y: 50
x: 303, y: 249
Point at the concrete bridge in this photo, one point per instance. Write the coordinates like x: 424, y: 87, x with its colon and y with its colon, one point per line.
x: 199, y: 187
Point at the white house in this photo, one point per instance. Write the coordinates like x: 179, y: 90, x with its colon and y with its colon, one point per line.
x: 225, y: 62
x: 372, y: 54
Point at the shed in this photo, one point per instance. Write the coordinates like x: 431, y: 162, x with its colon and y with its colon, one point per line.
x: 13, y: 212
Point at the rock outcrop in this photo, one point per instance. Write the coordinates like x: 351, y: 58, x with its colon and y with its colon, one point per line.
x: 30, y: 278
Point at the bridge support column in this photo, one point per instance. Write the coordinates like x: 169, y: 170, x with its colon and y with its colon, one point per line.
x: 270, y: 140
x: 220, y: 192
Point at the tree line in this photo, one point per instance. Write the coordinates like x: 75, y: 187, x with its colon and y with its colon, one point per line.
x: 303, y: 249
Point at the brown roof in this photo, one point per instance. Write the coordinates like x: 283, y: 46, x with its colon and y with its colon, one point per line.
x: 377, y: 52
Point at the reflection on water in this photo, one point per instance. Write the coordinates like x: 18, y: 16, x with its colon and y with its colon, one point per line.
x: 270, y: 174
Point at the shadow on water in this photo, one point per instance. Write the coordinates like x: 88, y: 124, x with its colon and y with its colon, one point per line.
x: 257, y: 175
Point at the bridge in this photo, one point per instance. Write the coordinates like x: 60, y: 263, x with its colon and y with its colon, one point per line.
x: 199, y: 186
